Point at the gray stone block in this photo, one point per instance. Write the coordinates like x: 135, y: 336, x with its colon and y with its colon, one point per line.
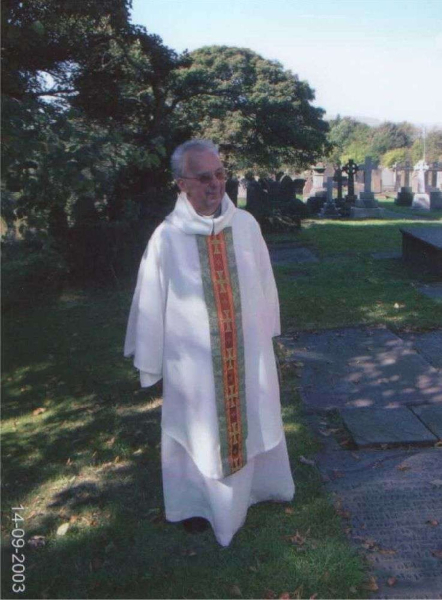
x: 431, y: 416
x: 432, y: 290
x: 371, y: 426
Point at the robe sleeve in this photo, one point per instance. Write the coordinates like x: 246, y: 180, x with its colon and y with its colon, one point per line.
x: 145, y: 335
x: 269, y: 287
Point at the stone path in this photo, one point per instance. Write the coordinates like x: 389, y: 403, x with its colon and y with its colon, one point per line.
x: 375, y: 400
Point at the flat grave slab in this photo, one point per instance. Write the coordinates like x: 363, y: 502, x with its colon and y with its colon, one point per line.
x: 428, y: 344
x: 431, y: 416
x: 376, y: 426
x: 432, y: 290
x: 423, y: 246
x: 288, y: 255
x: 360, y: 367
x: 389, y: 500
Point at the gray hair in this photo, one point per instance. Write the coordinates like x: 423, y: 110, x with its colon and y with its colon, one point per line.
x: 178, y: 157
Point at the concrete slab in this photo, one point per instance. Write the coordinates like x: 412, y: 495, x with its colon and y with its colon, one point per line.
x: 390, y: 502
x: 376, y: 426
x: 432, y: 290
x: 289, y: 255
x: 431, y: 416
x: 428, y: 344
x: 362, y: 367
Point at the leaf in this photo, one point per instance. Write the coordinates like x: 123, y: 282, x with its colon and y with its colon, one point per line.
x: 344, y: 514
x: 289, y: 510
x: 62, y: 530
x: 392, y: 581
x: 371, y: 585
x: 39, y: 410
x: 37, y: 541
x: 432, y: 522
x: 387, y: 551
x: 306, y: 461
x: 235, y: 591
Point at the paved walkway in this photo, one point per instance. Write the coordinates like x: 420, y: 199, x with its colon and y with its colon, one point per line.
x: 375, y: 400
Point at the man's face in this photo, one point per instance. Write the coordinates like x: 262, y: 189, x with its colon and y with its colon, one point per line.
x: 204, y: 197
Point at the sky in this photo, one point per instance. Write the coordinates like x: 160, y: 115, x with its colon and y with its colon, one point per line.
x: 380, y: 59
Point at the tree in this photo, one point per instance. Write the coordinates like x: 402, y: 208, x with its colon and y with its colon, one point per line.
x: 389, y: 136
x: 260, y: 114
x: 349, y: 138
x: 433, y: 147
x: 398, y: 155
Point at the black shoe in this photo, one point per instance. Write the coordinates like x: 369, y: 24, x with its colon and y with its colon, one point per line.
x: 195, y: 525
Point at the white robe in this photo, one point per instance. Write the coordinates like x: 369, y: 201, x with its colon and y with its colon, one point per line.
x: 169, y: 336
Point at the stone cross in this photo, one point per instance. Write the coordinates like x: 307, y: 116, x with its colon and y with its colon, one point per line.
x: 329, y: 189
x: 407, y: 169
x: 338, y: 178
x: 368, y: 166
x: 421, y: 166
x: 351, y: 168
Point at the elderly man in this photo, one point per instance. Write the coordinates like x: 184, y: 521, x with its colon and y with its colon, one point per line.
x: 203, y: 316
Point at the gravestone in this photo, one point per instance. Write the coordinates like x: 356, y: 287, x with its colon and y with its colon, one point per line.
x: 351, y: 168
x: 232, y: 186
x: 308, y: 186
x: 405, y: 195
x: 421, y: 200
x: 422, y: 246
x: 298, y: 185
x: 366, y: 207
x: 329, y: 210
x: 257, y: 200
x: 318, y: 188
x: 434, y: 192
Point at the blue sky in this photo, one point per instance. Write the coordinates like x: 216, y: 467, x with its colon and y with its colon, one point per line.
x: 374, y: 58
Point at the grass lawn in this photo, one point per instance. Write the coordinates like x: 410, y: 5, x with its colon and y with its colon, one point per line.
x: 81, y: 449
x: 350, y: 287
x: 81, y: 443
x: 388, y: 203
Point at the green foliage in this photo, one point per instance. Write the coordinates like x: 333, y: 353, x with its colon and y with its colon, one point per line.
x: 94, y: 106
x: 388, y: 143
x: 433, y: 147
x: 389, y: 136
x: 31, y: 270
x: 259, y: 113
x: 398, y: 155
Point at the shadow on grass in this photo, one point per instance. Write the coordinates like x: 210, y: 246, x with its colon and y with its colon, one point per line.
x: 92, y: 459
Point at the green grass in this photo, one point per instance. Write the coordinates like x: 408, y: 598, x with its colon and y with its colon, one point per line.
x: 348, y: 286
x: 406, y: 211
x: 92, y: 458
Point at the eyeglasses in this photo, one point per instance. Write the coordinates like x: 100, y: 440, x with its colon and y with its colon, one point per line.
x: 206, y: 178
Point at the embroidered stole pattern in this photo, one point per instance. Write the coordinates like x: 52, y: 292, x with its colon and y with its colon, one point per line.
x: 222, y: 295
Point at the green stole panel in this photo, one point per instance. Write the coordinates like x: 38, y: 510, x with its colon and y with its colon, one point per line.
x: 222, y: 296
